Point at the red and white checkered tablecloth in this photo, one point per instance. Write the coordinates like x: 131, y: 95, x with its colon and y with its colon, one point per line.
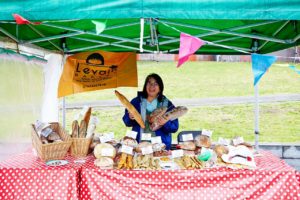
x: 273, y: 179
x: 26, y: 177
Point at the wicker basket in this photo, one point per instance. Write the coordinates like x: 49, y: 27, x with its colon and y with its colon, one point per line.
x: 80, y: 146
x: 51, y: 151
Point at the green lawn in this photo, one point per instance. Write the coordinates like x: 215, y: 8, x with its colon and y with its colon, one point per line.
x: 205, y: 79
x: 21, y: 89
x: 279, y: 122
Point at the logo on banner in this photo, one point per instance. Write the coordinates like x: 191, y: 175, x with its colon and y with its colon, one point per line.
x: 93, y: 72
x: 98, y: 70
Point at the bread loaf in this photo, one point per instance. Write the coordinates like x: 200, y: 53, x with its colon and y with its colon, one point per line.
x: 75, y: 129
x: 176, y: 113
x: 87, y: 115
x: 157, y: 113
x: 82, y: 129
x: 131, y: 109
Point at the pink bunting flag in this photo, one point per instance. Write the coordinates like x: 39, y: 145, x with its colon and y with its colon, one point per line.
x: 21, y: 20
x: 188, y: 46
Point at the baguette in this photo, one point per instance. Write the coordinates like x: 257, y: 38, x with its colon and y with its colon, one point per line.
x: 82, y: 129
x: 87, y: 115
x: 131, y: 109
x: 75, y: 129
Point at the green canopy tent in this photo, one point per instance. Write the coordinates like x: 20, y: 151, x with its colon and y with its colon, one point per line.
x: 233, y: 27
x: 229, y: 27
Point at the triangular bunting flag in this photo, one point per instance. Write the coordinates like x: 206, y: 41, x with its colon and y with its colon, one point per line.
x: 21, y: 20
x: 294, y: 68
x: 188, y: 46
x: 260, y: 64
x: 100, y: 26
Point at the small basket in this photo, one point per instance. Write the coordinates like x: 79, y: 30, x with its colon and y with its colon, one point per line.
x: 51, y: 151
x: 80, y: 146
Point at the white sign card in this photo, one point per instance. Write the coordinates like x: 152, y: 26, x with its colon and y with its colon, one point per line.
x: 177, y: 153
x: 104, y: 138
x: 131, y: 134
x: 237, y: 140
x: 127, y: 149
x: 156, y: 140
x: 111, y: 135
x: 187, y: 137
x: 223, y: 141
x: 147, y: 150
x: 208, y: 133
x: 146, y: 136
x: 107, y: 152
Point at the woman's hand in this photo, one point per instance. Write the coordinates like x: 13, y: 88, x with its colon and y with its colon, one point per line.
x: 161, y: 121
x: 131, y: 116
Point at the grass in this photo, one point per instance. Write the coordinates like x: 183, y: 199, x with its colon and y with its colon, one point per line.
x: 205, y: 79
x: 279, y: 122
x: 21, y: 90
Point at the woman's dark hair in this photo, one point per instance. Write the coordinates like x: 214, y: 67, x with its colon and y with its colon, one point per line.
x: 160, y: 83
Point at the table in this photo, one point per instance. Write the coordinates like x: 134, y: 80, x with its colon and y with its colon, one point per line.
x: 273, y: 179
x: 26, y: 177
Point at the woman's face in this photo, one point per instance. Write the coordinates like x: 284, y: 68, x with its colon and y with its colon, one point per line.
x: 152, y: 88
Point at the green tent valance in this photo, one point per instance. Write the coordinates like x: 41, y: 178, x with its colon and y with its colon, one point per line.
x: 235, y: 27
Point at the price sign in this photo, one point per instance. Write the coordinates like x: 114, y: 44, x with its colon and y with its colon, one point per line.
x: 237, y: 140
x: 147, y: 150
x: 146, y: 136
x: 187, y: 137
x: 111, y: 135
x: 107, y: 152
x: 208, y: 133
x: 177, y: 153
x: 156, y: 140
x: 104, y: 138
x: 223, y: 141
x: 131, y: 134
x: 127, y: 149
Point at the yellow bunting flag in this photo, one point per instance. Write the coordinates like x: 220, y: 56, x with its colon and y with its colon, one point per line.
x: 97, y: 70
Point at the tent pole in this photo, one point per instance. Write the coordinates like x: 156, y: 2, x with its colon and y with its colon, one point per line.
x: 142, y: 35
x: 256, y: 123
x: 64, y: 98
x: 64, y: 112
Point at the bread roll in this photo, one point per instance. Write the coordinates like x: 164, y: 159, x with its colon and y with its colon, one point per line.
x: 142, y: 145
x: 220, y: 150
x: 203, y: 141
x: 188, y: 145
x: 53, y: 136
x: 128, y: 141
x: 104, y: 163
x: 98, y: 150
